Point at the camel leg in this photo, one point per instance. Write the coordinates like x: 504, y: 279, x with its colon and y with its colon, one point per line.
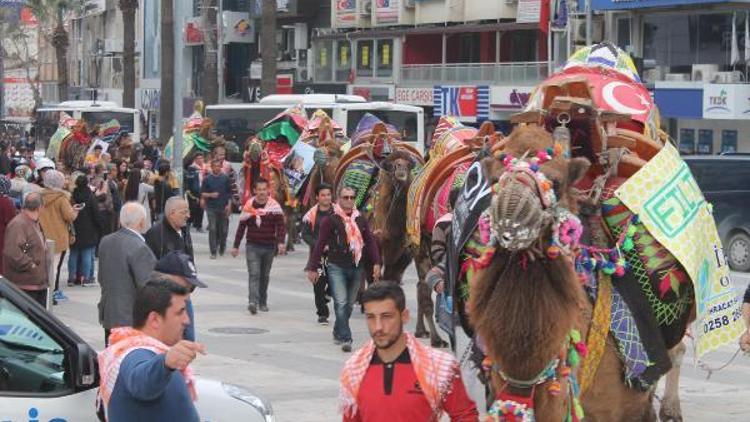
x: 422, y: 262
x: 670, y: 409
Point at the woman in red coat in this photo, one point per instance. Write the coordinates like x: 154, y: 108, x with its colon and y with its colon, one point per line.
x: 7, y: 209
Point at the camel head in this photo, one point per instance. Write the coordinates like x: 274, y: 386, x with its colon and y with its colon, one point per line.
x: 382, y: 143
x: 399, y: 165
x: 254, y: 149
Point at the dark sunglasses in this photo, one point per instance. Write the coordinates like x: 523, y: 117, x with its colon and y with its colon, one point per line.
x: 348, y: 197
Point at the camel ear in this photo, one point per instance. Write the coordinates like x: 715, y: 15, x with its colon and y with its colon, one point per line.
x: 577, y: 168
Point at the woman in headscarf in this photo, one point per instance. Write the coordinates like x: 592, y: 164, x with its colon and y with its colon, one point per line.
x: 89, y: 226
x: 7, y: 210
x: 56, y: 218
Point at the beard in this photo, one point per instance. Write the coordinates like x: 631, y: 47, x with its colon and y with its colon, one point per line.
x: 389, y: 341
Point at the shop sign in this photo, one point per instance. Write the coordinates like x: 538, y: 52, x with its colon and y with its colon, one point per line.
x: 528, y: 11
x: 415, y: 96
x: 346, y: 13
x: 194, y: 31
x: 638, y: 4
x: 150, y: 98
x: 238, y: 27
x: 726, y: 101
x: 386, y: 11
x: 468, y: 103
x: 510, y: 97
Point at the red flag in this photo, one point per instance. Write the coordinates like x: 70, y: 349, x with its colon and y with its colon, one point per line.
x: 544, y: 16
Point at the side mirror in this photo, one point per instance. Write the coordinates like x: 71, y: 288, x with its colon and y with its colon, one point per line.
x: 87, y: 366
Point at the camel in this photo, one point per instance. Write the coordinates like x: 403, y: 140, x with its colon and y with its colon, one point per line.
x: 327, y: 156
x: 524, y: 303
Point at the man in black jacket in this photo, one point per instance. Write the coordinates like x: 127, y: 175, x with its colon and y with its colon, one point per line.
x: 310, y: 229
x: 171, y: 232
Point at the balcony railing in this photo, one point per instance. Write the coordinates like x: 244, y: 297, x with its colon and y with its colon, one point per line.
x: 491, y: 73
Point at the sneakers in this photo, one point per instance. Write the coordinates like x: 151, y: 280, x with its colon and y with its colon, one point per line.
x: 252, y: 308
x: 323, y: 320
x: 346, y: 346
x: 88, y: 283
x: 59, y: 296
x: 213, y: 256
x: 263, y: 308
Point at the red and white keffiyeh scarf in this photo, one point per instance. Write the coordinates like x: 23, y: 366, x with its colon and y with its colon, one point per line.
x: 124, y: 340
x: 311, y: 216
x: 353, y: 234
x: 435, y: 371
x: 271, y: 207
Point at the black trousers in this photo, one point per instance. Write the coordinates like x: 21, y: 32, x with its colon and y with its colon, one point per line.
x: 196, y: 212
x: 321, y: 304
x: 39, y: 296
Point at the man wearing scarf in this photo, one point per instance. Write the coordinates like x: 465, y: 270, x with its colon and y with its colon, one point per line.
x: 346, y: 235
x: 394, y: 377
x: 263, y: 220
x: 145, y: 373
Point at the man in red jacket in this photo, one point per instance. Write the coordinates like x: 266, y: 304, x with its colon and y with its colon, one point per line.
x: 263, y: 220
x: 394, y: 377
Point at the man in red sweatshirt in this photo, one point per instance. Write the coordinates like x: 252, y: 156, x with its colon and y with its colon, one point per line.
x: 394, y: 377
x: 263, y: 220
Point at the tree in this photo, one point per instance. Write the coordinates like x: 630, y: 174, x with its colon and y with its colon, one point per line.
x: 268, y: 48
x: 18, y: 51
x: 166, y: 101
x: 210, y: 48
x: 51, y: 17
x: 128, y: 8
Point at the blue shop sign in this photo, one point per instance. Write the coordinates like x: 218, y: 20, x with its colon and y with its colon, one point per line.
x: 679, y: 103
x: 640, y: 4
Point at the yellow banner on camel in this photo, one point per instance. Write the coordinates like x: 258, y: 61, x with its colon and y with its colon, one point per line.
x: 670, y: 204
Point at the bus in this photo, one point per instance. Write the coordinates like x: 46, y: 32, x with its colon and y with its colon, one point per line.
x: 48, y: 118
x: 238, y: 122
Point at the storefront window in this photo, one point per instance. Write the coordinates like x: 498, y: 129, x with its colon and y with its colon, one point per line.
x: 705, y: 141
x: 728, y: 141
x: 364, y: 57
x: 687, y: 141
x: 343, y: 60
x: 385, y: 58
x: 323, y: 60
x: 623, y: 33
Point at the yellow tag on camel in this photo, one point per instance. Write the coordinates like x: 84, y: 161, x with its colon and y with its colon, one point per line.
x: 671, y: 206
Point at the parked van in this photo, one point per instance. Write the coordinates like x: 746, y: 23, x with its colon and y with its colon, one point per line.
x: 725, y: 182
x: 47, y: 118
x: 238, y: 122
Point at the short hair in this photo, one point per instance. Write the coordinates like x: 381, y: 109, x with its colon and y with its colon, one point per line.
x: 217, y: 161
x: 131, y: 214
x: 98, y: 146
x: 342, y: 188
x: 155, y: 296
x: 172, y: 203
x: 383, y: 290
x: 323, y: 186
x: 259, y: 181
x: 32, y: 201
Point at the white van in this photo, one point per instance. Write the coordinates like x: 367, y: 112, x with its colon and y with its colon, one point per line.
x: 237, y: 122
x: 47, y: 118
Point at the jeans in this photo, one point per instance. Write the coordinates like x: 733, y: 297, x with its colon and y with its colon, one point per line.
x: 259, y: 260
x: 344, y: 283
x: 321, y: 304
x: 81, y: 262
x: 218, y: 223
x: 189, y: 332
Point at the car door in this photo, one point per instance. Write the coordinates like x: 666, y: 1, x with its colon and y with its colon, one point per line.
x: 47, y: 373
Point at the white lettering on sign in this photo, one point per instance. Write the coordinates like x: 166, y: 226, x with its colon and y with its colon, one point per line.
x: 415, y: 96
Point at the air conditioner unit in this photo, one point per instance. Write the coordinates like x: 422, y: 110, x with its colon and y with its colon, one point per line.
x: 727, y: 77
x: 677, y: 77
x: 410, y: 4
x: 704, y: 72
x: 113, y: 45
x: 597, y: 30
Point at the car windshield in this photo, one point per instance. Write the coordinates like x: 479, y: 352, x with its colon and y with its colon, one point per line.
x: 404, y: 121
x: 19, y: 333
x: 126, y: 120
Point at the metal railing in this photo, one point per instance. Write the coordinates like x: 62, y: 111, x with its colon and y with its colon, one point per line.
x: 508, y: 73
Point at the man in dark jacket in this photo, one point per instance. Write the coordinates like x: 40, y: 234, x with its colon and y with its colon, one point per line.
x: 310, y: 228
x: 347, y: 236
x: 216, y: 194
x: 171, y: 232
x: 193, y: 179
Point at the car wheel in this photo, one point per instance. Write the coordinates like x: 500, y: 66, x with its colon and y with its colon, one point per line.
x: 738, y: 252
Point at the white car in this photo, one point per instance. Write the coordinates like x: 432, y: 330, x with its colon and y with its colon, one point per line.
x: 48, y: 374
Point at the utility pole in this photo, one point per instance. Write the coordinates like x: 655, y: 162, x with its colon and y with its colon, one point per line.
x: 220, y: 51
x: 179, y: 84
x: 588, y: 23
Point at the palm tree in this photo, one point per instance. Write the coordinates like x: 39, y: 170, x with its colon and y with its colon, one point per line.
x: 268, y: 48
x: 52, y: 13
x: 128, y: 8
x: 166, y: 101
x: 210, y: 69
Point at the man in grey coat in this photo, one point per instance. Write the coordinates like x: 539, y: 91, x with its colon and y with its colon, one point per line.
x: 125, y: 262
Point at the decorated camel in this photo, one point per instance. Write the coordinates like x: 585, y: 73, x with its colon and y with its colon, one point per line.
x: 594, y: 249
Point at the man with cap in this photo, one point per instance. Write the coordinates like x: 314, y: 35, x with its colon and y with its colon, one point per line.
x: 179, y: 267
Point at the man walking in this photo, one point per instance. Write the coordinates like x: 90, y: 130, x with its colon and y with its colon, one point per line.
x: 179, y: 267
x: 310, y: 230
x: 125, y: 262
x: 25, y: 251
x: 171, y: 233
x: 347, y: 236
x: 396, y: 378
x: 216, y: 193
x: 193, y: 181
x: 145, y: 373
x: 263, y: 220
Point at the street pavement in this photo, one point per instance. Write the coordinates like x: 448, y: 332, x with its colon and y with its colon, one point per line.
x: 286, y: 357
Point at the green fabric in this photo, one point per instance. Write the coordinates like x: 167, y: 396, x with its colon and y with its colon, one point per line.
x: 280, y: 128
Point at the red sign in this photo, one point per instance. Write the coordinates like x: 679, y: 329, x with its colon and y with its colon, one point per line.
x: 284, y: 84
